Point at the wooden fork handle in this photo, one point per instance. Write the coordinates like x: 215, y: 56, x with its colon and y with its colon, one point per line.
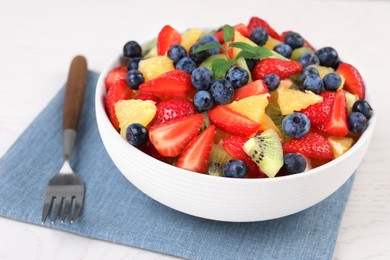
x: 74, y: 93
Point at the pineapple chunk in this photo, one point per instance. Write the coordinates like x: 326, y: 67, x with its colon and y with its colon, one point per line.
x: 252, y: 107
x: 271, y: 43
x: 291, y: 100
x: 350, y: 99
x: 190, y: 37
x: 340, y: 144
x: 238, y: 37
x: 154, y: 67
x: 267, y: 123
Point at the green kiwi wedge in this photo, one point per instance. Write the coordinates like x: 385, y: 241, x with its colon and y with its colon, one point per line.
x: 218, y: 158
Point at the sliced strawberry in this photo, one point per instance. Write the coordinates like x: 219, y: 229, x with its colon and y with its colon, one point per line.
x: 114, y: 75
x: 171, y: 137
x: 319, y: 114
x: 150, y: 150
x: 119, y: 91
x: 254, y: 88
x: 232, y: 122
x: 338, y: 124
x: 312, y: 145
x: 230, y: 50
x: 147, y: 96
x: 256, y: 22
x: 172, y: 84
x: 196, y: 156
x: 306, y: 43
x: 166, y: 38
x: 353, y: 80
x: 283, y: 68
x: 234, y: 146
x: 173, y: 108
x: 241, y: 28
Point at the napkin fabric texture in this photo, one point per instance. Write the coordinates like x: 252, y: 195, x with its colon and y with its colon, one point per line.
x: 114, y: 210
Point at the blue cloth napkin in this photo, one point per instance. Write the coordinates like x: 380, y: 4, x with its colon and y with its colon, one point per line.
x: 114, y: 210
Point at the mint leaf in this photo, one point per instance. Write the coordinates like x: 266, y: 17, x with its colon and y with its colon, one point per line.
x: 251, y: 52
x: 228, y: 32
x: 220, y: 67
x: 208, y: 46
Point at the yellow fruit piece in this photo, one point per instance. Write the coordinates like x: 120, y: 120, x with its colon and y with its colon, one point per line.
x: 152, y: 53
x: 340, y: 144
x: 267, y: 123
x: 252, y: 107
x: 190, y: 37
x: 134, y: 111
x: 154, y: 67
x: 350, y: 99
x: 238, y: 37
x: 271, y: 43
x: 291, y: 100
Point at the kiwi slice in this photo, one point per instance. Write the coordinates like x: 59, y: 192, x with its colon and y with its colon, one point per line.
x: 266, y: 151
x: 206, y: 122
x: 273, y: 111
x: 209, y: 61
x: 242, y: 63
x: 218, y: 158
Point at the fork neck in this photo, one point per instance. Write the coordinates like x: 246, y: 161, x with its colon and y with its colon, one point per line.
x: 69, y: 140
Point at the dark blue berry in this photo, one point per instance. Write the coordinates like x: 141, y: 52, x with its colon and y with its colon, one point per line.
x: 198, y: 57
x: 132, y: 63
x: 259, y: 36
x: 234, y: 169
x: 284, y: 50
x: 296, y: 125
x: 237, y: 76
x: 203, y: 101
x: 332, y: 81
x: 222, y: 91
x: 187, y: 64
x: 328, y: 57
x: 357, y: 123
x: 363, y: 107
x: 210, y: 39
x: 201, y: 78
x: 132, y: 49
x: 176, y: 53
x: 309, y: 59
x: 251, y: 63
x: 294, y: 39
x: 313, y: 83
x: 294, y: 163
x: 272, y: 81
x: 136, y: 134
x: 134, y: 78
x: 308, y: 71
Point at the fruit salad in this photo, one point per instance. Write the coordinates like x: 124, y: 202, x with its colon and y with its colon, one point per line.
x: 241, y: 101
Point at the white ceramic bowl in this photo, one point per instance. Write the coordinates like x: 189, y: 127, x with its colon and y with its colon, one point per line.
x: 226, y: 199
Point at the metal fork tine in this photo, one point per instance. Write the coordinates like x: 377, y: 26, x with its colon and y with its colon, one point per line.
x: 76, y: 211
x: 46, y: 208
x: 57, y: 206
x: 65, y: 208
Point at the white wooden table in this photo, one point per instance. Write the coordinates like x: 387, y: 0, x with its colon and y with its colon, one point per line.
x: 39, y: 38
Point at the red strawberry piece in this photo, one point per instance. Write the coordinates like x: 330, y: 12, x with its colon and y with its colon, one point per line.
x: 171, y: 137
x: 338, y: 124
x: 173, y: 108
x: 312, y: 145
x: 150, y: 150
x: 166, y: 38
x: 172, y: 84
x: 234, y: 146
x: 230, y: 50
x: 114, y: 75
x: 254, y: 88
x: 256, y: 22
x: 319, y: 114
x: 241, y: 28
x: 119, y: 91
x: 232, y: 122
x: 353, y: 80
x: 147, y: 96
x: 283, y: 68
x: 196, y: 156
x: 306, y: 43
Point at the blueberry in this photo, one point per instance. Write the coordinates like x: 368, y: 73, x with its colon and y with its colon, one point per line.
x: 201, y: 78
x: 203, y: 101
x: 237, y: 76
x: 176, y: 52
x: 272, y: 81
x: 136, y: 134
x: 294, y: 39
x: 187, y: 64
x: 132, y: 63
x: 294, y: 163
x: 222, y: 91
x: 332, y: 81
x: 210, y: 39
x: 250, y: 63
x: 357, y: 123
x: 328, y: 57
x: 296, y: 125
x: 234, y: 169
x: 308, y: 71
x: 259, y: 36
x: 134, y: 78
x: 200, y: 56
x: 309, y: 59
x: 132, y: 49
x: 363, y: 107
x: 313, y: 83
x: 284, y: 50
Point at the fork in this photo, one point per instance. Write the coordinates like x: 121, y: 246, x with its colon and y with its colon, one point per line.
x: 65, y: 191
